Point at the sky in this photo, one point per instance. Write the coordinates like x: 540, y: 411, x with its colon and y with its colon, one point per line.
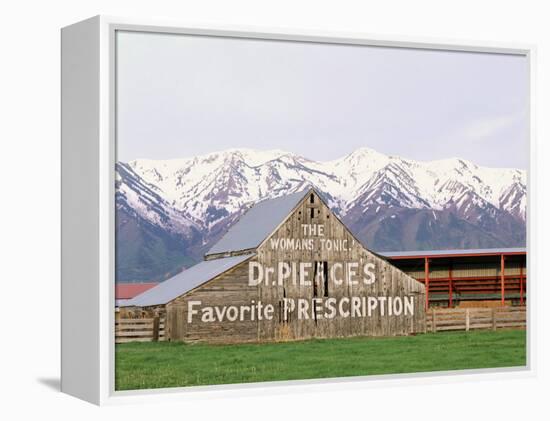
x: 180, y: 96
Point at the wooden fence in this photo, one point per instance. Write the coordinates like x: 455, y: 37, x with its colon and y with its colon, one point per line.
x: 438, y: 320
x: 139, y: 330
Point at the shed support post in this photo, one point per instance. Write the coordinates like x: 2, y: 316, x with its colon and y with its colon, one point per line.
x: 521, y: 283
x: 450, y: 285
x: 502, y: 279
x: 427, y: 281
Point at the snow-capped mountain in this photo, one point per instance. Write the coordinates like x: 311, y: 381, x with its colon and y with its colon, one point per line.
x: 198, y: 198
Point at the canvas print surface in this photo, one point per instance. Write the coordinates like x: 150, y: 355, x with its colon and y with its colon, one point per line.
x: 295, y: 210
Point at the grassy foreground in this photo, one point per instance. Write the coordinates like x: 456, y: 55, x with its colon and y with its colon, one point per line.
x: 163, y: 364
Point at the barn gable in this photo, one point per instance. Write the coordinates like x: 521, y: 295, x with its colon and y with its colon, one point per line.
x: 328, y: 262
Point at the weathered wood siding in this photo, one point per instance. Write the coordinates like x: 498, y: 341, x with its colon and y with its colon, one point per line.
x: 390, y: 281
x: 232, y: 289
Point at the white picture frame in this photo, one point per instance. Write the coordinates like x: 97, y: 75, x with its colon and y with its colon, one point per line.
x: 88, y: 162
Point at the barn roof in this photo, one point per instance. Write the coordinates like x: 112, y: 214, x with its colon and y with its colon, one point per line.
x: 186, y: 281
x: 257, y: 223
x: 121, y: 303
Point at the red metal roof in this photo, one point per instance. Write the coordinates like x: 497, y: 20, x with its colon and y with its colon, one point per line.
x: 128, y: 291
x: 432, y: 254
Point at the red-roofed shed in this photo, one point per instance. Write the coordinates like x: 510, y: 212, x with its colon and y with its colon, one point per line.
x: 128, y: 291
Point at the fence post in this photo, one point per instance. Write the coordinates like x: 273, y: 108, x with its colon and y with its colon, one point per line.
x: 494, y: 318
x: 156, y: 325
x: 467, y: 320
x: 434, y: 327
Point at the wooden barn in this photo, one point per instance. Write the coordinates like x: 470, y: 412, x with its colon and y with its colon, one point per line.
x: 288, y: 269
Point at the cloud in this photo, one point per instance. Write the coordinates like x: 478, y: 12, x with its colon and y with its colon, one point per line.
x: 485, y: 128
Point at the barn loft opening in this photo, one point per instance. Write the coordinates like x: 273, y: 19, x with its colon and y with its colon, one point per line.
x: 325, y: 278
x: 311, y: 198
x: 315, y: 268
x: 320, y: 268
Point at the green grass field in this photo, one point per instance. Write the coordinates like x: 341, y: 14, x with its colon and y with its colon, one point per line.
x: 163, y: 364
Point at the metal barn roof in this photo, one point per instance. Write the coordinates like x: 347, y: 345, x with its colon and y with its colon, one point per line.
x: 121, y: 303
x: 185, y: 281
x: 257, y: 223
x: 451, y: 253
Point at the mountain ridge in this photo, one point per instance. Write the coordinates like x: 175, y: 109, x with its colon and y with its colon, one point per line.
x: 198, y: 198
